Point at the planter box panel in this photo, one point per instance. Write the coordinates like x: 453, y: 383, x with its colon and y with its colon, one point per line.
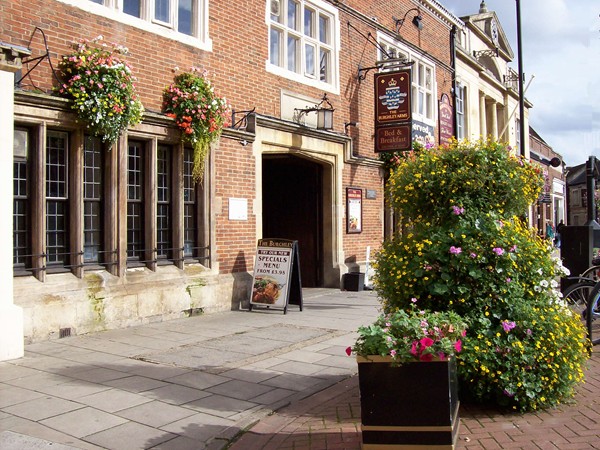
x: 415, y: 404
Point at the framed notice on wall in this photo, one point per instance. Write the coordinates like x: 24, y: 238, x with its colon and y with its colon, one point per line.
x: 353, y: 210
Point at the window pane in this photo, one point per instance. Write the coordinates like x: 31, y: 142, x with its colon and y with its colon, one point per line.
x: 184, y: 17
x: 190, y: 226
x: 275, y: 47
x: 324, y: 29
x: 428, y: 106
x: 132, y: 7
x: 293, y: 21
x: 135, y: 210
x: 309, y: 63
x: 309, y: 19
x: 92, y: 197
x: 56, y: 198
x: 162, y: 11
x: 428, y: 79
x: 292, y: 53
x: 324, y: 65
x: 163, y: 210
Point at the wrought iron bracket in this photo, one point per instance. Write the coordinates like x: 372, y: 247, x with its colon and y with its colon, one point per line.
x: 38, y: 59
x: 390, y: 64
x: 491, y: 53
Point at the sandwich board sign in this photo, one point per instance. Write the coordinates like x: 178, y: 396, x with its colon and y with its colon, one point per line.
x: 276, y: 281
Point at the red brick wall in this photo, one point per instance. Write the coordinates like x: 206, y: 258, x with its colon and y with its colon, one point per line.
x: 237, y: 68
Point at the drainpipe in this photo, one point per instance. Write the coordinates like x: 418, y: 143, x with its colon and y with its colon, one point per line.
x: 453, y: 65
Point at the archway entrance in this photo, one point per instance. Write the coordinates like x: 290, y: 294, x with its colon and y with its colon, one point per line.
x: 292, y: 209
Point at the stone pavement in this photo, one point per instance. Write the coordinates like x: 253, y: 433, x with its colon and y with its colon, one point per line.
x: 237, y: 381
x: 191, y: 383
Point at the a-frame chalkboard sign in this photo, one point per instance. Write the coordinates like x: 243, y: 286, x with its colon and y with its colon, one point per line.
x: 276, y: 282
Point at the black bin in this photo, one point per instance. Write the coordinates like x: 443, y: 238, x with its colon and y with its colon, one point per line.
x: 353, y: 281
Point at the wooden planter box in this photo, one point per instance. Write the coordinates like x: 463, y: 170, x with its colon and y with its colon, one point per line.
x: 414, y: 405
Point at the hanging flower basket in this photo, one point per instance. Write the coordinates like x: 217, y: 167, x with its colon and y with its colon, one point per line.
x: 101, y: 85
x: 198, y: 111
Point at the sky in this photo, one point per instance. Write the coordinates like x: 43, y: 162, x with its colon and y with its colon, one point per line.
x: 561, y: 49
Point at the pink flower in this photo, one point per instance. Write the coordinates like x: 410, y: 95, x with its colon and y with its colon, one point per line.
x: 426, y: 342
x: 507, y: 326
x: 458, y: 346
x: 413, y: 349
x: 455, y: 250
x: 392, y: 353
x: 498, y: 251
x: 426, y: 357
x: 457, y: 210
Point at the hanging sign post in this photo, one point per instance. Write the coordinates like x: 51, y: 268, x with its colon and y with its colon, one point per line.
x: 276, y: 281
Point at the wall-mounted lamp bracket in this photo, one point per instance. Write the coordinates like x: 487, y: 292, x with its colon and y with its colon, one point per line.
x: 324, y: 110
x: 350, y: 124
x: 491, y: 53
x: 417, y: 20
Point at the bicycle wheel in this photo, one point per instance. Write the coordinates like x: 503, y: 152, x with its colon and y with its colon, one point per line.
x: 593, y: 315
x: 591, y: 273
x: 576, y: 296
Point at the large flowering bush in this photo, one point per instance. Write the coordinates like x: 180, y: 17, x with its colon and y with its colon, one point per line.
x: 466, y: 249
x: 199, y: 112
x: 412, y: 335
x: 99, y: 81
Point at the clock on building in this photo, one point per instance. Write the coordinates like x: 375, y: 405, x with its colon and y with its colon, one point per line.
x: 494, y: 31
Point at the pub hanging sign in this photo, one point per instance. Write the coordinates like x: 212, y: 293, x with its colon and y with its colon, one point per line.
x: 393, y: 111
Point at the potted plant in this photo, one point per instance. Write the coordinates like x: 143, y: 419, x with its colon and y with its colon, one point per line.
x: 466, y: 247
x: 407, y: 378
x: 198, y: 111
x: 99, y: 81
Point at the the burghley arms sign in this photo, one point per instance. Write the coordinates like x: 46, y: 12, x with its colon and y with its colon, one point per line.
x: 393, y: 111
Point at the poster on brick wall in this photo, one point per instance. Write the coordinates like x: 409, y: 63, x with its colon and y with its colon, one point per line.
x: 276, y: 280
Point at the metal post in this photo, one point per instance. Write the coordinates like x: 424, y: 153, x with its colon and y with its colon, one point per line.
x: 521, y: 93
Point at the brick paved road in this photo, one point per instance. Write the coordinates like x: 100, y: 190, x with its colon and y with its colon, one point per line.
x: 331, y: 420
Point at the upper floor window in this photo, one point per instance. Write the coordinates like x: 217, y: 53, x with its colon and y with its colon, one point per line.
x: 423, y: 90
x: 183, y: 20
x: 461, y: 122
x: 303, y: 41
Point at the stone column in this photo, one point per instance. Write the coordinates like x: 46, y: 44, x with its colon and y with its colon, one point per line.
x: 482, y: 117
x: 494, y: 111
x: 11, y: 315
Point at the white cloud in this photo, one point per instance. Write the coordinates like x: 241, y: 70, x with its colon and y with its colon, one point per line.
x: 561, y: 46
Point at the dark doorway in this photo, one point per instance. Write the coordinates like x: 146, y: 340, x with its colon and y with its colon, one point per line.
x: 292, y: 209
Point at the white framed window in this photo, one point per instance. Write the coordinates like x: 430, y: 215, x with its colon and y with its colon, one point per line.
x: 181, y: 20
x: 304, y: 42
x: 461, y: 120
x: 423, y: 90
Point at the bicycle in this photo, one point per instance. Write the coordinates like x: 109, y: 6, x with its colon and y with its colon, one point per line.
x: 584, y: 297
x: 592, y: 318
x: 576, y: 295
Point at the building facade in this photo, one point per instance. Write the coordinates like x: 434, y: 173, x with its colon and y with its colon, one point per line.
x: 487, y: 94
x: 550, y: 209
x: 107, y: 237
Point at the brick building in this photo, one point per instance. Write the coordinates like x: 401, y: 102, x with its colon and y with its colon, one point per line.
x: 550, y: 207
x: 272, y: 173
